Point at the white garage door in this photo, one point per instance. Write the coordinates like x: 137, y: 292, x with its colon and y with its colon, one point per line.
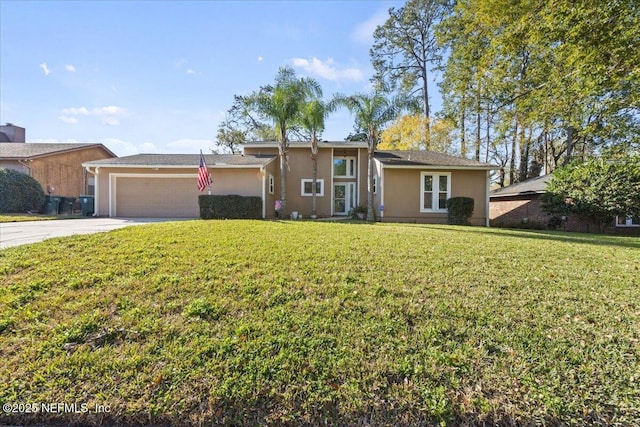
x: 155, y: 197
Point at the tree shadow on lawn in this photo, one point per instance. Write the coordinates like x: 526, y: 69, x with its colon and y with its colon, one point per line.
x: 559, y: 236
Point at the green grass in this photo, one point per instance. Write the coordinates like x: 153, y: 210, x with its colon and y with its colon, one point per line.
x: 35, y: 217
x: 303, y: 323
x: 24, y: 217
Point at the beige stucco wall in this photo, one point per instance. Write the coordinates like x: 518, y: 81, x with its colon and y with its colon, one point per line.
x: 240, y: 181
x: 300, y: 166
x: 402, y: 195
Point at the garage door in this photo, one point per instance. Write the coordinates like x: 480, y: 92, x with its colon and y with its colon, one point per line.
x: 175, y: 197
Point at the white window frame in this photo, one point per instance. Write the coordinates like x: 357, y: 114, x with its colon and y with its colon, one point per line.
x: 628, y: 222
x: 272, y: 185
x: 350, y: 171
x: 304, y: 181
x: 435, y: 191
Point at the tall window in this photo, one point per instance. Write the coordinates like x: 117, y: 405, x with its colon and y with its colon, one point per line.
x: 435, y: 189
x: 306, y: 187
x: 345, y: 167
x: 271, y: 184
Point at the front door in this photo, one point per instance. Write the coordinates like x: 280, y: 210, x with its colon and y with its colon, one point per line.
x: 344, y: 197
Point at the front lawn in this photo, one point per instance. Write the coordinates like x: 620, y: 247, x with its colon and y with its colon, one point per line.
x: 315, y: 323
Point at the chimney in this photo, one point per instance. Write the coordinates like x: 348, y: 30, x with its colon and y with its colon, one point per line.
x: 13, y: 133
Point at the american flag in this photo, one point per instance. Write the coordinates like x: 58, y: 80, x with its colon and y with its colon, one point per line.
x: 204, y: 177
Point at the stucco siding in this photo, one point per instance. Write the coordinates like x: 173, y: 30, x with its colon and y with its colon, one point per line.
x: 168, y: 192
x: 402, y: 195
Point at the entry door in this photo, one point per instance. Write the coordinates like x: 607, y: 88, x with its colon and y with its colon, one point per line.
x: 344, y: 197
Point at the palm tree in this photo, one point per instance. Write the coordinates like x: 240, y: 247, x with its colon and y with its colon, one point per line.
x: 282, y: 104
x: 314, y: 113
x: 371, y: 112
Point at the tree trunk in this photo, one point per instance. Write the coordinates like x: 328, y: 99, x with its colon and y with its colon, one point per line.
x: 314, y: 176
x: 425, y: 100
x: 478, y: 125
x: 463, y: 143
x: 282, y: 154
x: 570, y: 144
x: 524, y: 155
x: 371, y: 215
x: 512, y: 162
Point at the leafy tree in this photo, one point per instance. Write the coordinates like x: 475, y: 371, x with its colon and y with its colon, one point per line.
x: 406, y: 133
x: 230, y: 135
x: 371, y: 112
x: 20, y: 192
x: 312, y: 118
x: 559, y: 80
x: 596, y: 190
x: 405, y: 47
x: 282, y: 104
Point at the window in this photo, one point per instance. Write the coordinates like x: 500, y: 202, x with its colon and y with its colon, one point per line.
x: 628, y: 221
x: 435, y: 189
x: 271, y: 184
x: 306, y: 187
x: 375, y: 184
x: 345, y: 167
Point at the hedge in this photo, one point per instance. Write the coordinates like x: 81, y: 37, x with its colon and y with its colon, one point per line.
x: 459, y: 210
x: 230, y: 207
x: 19, y: 193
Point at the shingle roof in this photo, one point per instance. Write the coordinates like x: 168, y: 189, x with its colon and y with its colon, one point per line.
x: 536, y: 185
x: 329, y: 144
x: 22, y: 150
x: 426, y: 158
x: 183, y: 160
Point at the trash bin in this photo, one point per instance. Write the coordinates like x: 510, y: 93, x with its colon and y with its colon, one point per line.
x: 51, y: 205
x: 87, y: 204
x: 66, y: 205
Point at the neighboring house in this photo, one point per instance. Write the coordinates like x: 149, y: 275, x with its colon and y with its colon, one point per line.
x: 409, y: 186
x: 520, y: 205
x: 54, y: 166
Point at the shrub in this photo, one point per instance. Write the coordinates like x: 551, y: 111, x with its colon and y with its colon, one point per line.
x: 19, y: 192
x: 230, y: 207
x: 459, y: 210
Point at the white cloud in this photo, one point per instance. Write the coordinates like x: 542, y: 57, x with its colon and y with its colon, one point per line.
x: 328, y: 69
x: 260, y: 58
x: 70, y: 68
x: 109, y: 115
x: 68, y: 119
x: 192, y: 72
x: 82, y: 111
x: 45, y: 69
x: 180, y: 62
x: 363, y: 32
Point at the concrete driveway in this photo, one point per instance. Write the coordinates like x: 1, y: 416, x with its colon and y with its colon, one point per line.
x: 20, y: 233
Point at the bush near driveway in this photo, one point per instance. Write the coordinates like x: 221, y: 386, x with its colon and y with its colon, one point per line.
x: 290, y: 323
x: 19, y: 193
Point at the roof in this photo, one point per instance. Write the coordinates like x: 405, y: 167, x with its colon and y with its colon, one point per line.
x: 422, y: 158
x: 4, y: 137
x: 530, y: 186
x: 24, y: 151
x: 307, y: 144
x: 183, y: 160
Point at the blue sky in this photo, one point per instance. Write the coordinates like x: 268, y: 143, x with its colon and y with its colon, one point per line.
x: 158, y: 76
